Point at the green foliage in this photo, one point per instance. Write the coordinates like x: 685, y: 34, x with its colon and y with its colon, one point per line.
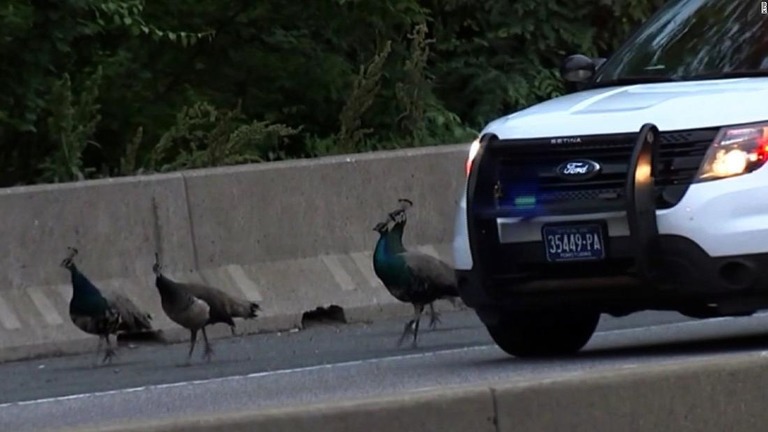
x: 71, y: 124
x: 414, y: 92
x: 128, y: 15
x: 148, y: 80
x: 128, y: 163
x: 364, y: 90
x: 204, y: 136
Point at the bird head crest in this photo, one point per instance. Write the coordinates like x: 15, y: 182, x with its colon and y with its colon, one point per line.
x: 405, y: 203
x: 399, y: 216
x: 71, y: 253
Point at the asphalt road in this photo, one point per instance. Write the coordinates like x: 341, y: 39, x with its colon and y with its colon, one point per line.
x: 329, y: 363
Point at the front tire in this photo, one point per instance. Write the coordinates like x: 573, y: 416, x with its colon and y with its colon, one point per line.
x: 544, y: 333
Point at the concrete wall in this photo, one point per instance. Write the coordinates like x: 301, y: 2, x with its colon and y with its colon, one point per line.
x: 293, y: 235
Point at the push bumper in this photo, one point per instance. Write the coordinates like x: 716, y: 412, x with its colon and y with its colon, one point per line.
x: 650, y: 265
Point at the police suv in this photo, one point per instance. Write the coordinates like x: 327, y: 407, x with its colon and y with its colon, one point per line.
x: 643, y: 188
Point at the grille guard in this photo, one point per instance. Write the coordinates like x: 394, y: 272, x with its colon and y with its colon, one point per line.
x: 641, y: 201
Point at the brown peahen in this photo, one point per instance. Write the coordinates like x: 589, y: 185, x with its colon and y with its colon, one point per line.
x: 184, y: 309
x: 222, y: 307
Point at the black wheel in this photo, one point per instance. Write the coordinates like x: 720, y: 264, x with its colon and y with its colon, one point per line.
x: 544, y: 333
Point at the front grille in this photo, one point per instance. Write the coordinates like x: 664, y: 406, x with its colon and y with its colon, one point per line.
x: 526, y: 175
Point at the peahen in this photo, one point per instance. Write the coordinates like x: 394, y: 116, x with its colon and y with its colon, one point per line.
x: 410, y: 276
x: 102, y: 313
x: 223, y: 308
x: 184, y: 309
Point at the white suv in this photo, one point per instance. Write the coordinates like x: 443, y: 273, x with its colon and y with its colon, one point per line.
x: 644, y: 188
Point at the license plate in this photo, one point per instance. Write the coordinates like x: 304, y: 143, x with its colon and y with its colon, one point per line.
x: 573, y: 242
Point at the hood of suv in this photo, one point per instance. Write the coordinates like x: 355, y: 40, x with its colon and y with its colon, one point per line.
x: 670, y: 106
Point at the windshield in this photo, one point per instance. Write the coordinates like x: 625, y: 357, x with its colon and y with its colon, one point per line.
x: 690, y: 39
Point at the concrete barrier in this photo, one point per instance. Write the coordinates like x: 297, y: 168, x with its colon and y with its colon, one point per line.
x: 293, y: 235
x: 699, y: 396
x: 462, y: 410
x: 690, y: 396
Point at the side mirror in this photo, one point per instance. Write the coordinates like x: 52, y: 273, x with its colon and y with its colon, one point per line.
x: 577, y: 68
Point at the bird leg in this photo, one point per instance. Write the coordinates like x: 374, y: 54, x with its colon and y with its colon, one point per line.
x: 406, y: 330
x: 110, y: 352
x: 412, y: 326
x: 232, y: 329
x: 208, y: 352
x: 192, y: 340
x: 419, y: 309
x: 434, y: 316
x: 98, y: 350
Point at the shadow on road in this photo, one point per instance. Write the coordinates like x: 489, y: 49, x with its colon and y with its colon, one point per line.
x: 730, y: 344
x: 671, y: 349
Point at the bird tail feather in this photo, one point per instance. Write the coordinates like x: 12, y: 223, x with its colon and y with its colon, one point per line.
x: 254, y: 308
x: 245, y: 310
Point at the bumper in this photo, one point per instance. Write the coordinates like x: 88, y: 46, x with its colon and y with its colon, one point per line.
x: 714, y: 243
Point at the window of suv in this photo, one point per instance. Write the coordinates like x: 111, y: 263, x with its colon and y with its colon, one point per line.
x: 692, y: 39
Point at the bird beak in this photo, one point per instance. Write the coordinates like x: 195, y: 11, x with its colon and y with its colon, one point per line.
x: 382, y: 226
x: 396, y: 216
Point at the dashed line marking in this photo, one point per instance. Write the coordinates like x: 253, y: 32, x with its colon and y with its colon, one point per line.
x: 44, y: 305
x: 7, y: 317
x: 363, y: 261
x: 246, y: 284
x: 342, y: 277
x: 255, y: 375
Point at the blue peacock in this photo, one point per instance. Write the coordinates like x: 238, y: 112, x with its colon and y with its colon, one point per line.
x: 102, y: 313
x: 410, y: 276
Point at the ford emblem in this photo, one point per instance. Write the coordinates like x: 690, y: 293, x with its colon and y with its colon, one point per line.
x: 579, y: 169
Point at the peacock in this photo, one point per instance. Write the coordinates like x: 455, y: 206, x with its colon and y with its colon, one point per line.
x: 184, y: 309
x: 410, y: 276
x: 101, y: 312
x: 399, y: 218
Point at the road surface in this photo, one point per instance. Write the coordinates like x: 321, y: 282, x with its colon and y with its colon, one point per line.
x: 328, y: 363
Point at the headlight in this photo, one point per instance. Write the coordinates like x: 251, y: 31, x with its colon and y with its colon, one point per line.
x: 473, y: 149
x: 736, y: 150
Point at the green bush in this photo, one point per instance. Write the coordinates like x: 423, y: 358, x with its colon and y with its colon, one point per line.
x: 118, y: 87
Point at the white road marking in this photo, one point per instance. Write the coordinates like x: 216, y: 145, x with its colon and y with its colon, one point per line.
x: 247, y: 285
x: 355, y: 363
x: 240, y: 377
x: 364, y: 262
x: 7, y: 317
x: 342, y: 277
x: 65, y: 291
x: 44, y: 305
